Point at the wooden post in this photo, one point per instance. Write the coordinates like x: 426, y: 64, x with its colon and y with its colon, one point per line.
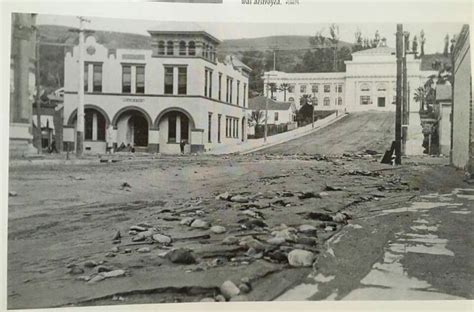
x: 405, y: 96
x: 398, y: 112
x: 39, y: 141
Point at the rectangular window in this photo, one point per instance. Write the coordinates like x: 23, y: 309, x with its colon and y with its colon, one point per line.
x: 219, y: 128
x: 182, y: 80
x: 314, y: 88
x: 205, y: 83
x: 365, y: 100
x: 86, y: 77
x: 394, y: 100
x: 291, y: 88
x: 172, y: 128
x: 97, y: 78
x: 209, y: 126
x: 381, y: 102
x: 230, y: 92
x: 210, y: 83
x: 227, y: 90
x: 169, y: 80
x: 339, y: 88
x: 226, y: 127
x: 238, y: 91
x: 220, y: 86
x: 140, y: 79
x: 276, y: 116
x: 237, y: 127
x: 303, y: 89
x: 126, y: 79
x: 245, y: 93
x: 327, y: 88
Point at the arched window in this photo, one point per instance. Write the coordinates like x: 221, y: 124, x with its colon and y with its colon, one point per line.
x: 170, y: 48
x: 182, y: 48
x: 291, y: 99
x: 381, y: 87
x: 161, y: 48
x: 365, y: 87
x: 326, y: 101
x: 339, y: 101
x: 94, y: 125
x: 191, y: 48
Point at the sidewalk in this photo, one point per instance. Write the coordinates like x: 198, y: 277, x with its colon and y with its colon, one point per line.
x: 254, y: 145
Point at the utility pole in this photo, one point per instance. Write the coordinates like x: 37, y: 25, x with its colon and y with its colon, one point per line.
x: 80, y: 104
x: 39, y: 141
x: 274, y: 60
x: 398, y: 112
x: 266, y: 108
x: 405, y: 93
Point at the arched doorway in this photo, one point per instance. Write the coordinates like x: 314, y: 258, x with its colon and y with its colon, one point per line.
x: 132, y: 128
x: 175, y: 126
x: 96, y: 122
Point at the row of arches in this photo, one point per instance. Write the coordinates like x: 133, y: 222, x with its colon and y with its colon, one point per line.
x: 132, y: 125
x: 185, y: 48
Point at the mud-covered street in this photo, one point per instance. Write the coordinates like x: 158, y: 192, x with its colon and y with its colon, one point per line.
x: 175, y: 229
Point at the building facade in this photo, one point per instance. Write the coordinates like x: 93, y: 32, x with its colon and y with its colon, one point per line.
x: 22, y: 83
x: 369, y: 83
x: 278, y: 112
x: 462, y: 135
x: 154, y: 99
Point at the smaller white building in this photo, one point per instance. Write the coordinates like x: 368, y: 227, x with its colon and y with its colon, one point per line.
x: 278, y: 112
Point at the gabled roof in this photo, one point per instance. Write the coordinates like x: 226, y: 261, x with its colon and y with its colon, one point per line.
x: 237, y: 63
x: 258, y: 103
x: 181, y: 28
x: 443, y: 92
x: 376, y: 51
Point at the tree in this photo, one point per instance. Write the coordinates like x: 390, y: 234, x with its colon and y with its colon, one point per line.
x: 305, y: 114
x: 284, y: 87
x: 422, y: 43
x: 334, y: 32
x: 414, y: 45
x: 256, y: 118
x: 419, y: 97
x: 306, y: 99
x: 272, y: 87
x: 446, y: 45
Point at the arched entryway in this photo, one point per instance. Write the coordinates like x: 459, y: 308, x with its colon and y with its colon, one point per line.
x: 132, y: 128
x: 175, y: 127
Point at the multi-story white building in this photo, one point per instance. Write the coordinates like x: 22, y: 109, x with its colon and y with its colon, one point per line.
x: 369, y: 83
x: 153, y: 99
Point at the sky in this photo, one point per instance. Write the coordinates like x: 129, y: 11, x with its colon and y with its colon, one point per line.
x: 434, y: 32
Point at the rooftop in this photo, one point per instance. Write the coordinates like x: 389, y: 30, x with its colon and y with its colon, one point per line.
x: 376, y: 51
x: 258, y: 103
x: 181, y: 28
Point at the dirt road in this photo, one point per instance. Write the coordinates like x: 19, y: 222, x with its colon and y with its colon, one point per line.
x: 355, y: 133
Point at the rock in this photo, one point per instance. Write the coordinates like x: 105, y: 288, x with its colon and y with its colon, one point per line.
x: 306, y: 195
x: 103, y: 268
x: 125, y: 185
x: 144, y: 250
x: 181, y: 256
x: 141, y: 236
x: 332, y: 188
x: 340, y: 218
x: 200, y: 224
x: 90, y: 264
x: 239, y: 199
x: 115, y: 273
x: 132, y: 232
x: 220, y: 298
x: 245, y: 280
x: 75, y: 270
x: 96, y: 279
x: 187, y: 221
x: 207, y: 300
x: 244, y: 288
x: 12, y: 194
x: 278, y: 256
x: 162, y: 239
x: 323, y: 194
x: 116, y: 236
x: 217, y: 229
x: 307, y: 229
x: 144, y: 225
x: 329, y: 228
x: 253, y: 214
x: 229, y: 290
x: 223, y: 196
x: 320, y: 216
x: 230, y: 240
x: 310, y: 241
x: 251, y: 242
x: 127, y: 250
x: 287, y: 234
x: 300, y: 258
x: 251, y: 224
x: 239, y: 298
x: 110, y: 255
x: 83, y: 278
x: 114, y: 249
x: 138, y: 228
x: 276, y: 241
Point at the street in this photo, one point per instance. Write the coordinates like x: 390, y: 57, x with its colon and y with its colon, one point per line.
x: 376, y: 231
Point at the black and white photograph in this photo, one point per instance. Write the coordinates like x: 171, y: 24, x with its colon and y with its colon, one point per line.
x: 177, y: 160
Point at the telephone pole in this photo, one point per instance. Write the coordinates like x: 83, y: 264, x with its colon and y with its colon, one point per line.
x: 39, y: 132
x: 405, y: 92
x: 266, y: 108
x: 80, y: 104
x: 398, y: 111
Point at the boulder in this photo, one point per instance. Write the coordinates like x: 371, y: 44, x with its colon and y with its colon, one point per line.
x: 217, y: 229
x: 116, y: 236
x: 307, y: 229
x: 104, y: 268
x: 239, y: 199
x: 230, y: 240
x: 244, y: 288
x: 138, y: 228
x: 181, y: 256
x: 220, y: 298
x: 229, y: 289
x: 200, y: 224
x: 287, y: 234
x: 187, y: 221
x: 144, y: 250
x: 90, y: 264
x: 251, y: 242
x: 75, y: 270
x: 162, y: 239
x: 276, y: 240
x: 300, y: 258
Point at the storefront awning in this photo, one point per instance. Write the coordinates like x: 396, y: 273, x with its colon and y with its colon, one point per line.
x: 46, y: 121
